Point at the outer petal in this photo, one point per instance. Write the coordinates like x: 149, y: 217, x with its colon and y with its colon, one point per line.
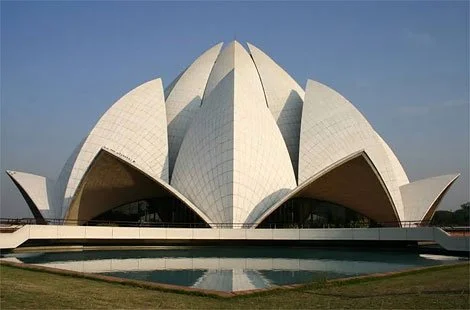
x: 284, y: 97
x: 170, y: 87
x: 135, y: 129
x: 422, y: 197
x: 233, y: 162
x: 332, y: 128
x: 39, y: 193
x: 184, y: 98
x: 109, y: 171
x: 353, y: 182
x: 63, y: 180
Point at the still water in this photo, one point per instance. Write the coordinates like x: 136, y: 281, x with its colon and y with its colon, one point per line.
x: 232, y: 268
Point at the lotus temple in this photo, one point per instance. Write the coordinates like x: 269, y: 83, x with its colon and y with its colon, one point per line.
x: 235, y: 143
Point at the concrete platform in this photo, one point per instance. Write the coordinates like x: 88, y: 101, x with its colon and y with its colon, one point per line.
x: 59, y: 234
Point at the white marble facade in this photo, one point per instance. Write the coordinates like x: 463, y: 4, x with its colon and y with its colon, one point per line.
x: 232, y: 136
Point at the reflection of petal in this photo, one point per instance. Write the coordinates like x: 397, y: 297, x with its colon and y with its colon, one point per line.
x: 232, y: 280
x: 220, y: 280
x: 230, y: 273
x: 343, y: 266
x: 257, y: 279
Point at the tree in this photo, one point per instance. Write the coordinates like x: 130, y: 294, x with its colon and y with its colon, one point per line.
x: 460, y: 217
x: 442, y: 218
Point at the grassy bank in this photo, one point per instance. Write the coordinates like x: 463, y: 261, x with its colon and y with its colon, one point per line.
x: 429, y: 289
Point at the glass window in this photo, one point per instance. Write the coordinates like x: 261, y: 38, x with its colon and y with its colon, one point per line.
x: 312, y: 213
x: 163, y: 211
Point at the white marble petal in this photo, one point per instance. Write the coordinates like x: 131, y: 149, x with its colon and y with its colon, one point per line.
x: 226, y: 164
x: 284, y: 97
x: 421, y: 198
x: 184, y: 98
x: 234, y: 134
x: 331, y: 129
x: 134, y: 128
x: 40, y: 190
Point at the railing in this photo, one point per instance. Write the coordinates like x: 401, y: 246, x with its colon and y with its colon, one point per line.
x: 54, y: 221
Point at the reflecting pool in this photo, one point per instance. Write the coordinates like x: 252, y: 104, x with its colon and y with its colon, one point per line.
x: 232, y: 268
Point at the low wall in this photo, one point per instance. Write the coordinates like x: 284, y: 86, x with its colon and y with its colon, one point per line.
x: 59, y: 232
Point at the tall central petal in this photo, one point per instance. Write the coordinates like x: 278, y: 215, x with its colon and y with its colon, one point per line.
x: 233, y: 162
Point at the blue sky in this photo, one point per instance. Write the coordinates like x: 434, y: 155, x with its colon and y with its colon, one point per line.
x: 404, y: 65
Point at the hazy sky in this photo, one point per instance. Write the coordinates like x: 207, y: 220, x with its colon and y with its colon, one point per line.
x: 404, y: 65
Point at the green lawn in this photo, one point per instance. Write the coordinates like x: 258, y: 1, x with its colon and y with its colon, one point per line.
x: 440, y: 288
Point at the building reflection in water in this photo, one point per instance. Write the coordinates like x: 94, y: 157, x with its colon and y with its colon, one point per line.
x: 229, y: 273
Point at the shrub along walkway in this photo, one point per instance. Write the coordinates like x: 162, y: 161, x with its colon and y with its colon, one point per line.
x: 436, y: 287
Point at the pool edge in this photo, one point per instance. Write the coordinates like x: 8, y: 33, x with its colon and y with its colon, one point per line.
x: 213, y: 293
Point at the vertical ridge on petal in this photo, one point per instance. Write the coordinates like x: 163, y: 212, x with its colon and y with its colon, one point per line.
x: 226, y: 164
x: 284, y: 98
x: 261, y: 176
x: 203, y: 168
x: 184, y: 97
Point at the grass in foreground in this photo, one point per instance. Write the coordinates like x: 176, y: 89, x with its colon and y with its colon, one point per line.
x: 438, y: 289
